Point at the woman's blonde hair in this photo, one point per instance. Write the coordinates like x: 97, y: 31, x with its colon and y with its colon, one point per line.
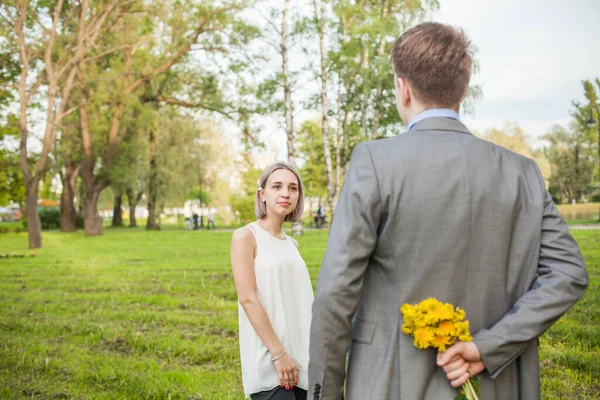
x: 259, y: 206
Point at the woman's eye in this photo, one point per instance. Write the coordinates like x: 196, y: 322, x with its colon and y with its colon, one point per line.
x: 276, y: 186
x: 295, y: 189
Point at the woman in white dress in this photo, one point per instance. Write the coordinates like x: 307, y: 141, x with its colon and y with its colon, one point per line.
x: 275, y: 294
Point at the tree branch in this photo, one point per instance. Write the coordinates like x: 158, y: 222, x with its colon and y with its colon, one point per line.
x: 50, y: 44
x: 188, y: 104
x: 88, y: 32
x: 185, y: 49
x: 38, y: 82
x: 270, y: 22
x: 23, y: 97
x: 68, y: 112
x: 37, y: 19
x: 211, y: 48
x: 106, y: 52
x: 10, y: 86
x: 12, y: 17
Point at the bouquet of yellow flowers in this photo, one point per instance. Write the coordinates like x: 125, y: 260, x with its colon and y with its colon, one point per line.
x: 439, y: 325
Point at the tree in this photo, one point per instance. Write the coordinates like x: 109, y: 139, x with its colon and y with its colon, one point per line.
x: 152, y: 41
x: 67, y: 155
x: 514, y: 138
x: 572, y: 150
x: 310, y: 151
x: 319, y: 16
x: 581, y: 114
x: 572, y: 163
x: 49, y: 59
x: 355, y: 74
x: 129, y: 171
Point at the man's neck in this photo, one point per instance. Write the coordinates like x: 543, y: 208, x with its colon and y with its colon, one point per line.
x: 416, y: 110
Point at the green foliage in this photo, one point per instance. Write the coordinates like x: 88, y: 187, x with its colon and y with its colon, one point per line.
x: 572, y: 164
x: 359, y: 62
x: 12, y: 186
x: 243, y: 199
x: 573, y: 152
x: 310, y: 150
x: 50, y: 218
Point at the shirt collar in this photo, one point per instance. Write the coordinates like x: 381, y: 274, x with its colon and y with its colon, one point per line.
x: 433, y: 112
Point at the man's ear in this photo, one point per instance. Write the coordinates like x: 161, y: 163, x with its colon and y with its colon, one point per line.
x: 405, y: 91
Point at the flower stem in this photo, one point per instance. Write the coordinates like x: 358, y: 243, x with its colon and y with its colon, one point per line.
x: 470, y: 390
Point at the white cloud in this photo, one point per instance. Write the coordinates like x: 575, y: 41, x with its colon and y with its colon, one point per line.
x: 533, y: 56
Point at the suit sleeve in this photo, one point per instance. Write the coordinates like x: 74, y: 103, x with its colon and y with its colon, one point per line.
x: 352, y: 239
x: 561, y: 281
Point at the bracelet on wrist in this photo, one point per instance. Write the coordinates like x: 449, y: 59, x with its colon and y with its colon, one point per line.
x: 278, y: 357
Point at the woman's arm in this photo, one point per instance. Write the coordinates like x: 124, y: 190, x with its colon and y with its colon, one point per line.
x: 243, y: 248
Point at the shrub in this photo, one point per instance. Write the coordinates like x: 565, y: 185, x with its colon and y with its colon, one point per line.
x: 50, y: 218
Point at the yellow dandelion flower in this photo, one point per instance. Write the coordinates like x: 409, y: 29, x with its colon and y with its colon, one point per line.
x: 446, y: 328
x: 429, y: 304
x: 407, y: 309
x: 407, y: 329
x: 409, y: 313
x: 462, y: 327
x: 440, y: 342
x: 423, y: 338
x: 459, y: 315
x: 440, y: 312
x: 465, y: 338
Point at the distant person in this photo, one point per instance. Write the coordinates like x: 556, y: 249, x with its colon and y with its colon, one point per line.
x: 210, y: 219
x: 195, y: 218
x: 322, y: 216
x: 274, y: 291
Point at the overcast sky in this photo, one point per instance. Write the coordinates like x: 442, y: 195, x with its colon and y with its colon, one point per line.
x: 533, y: 55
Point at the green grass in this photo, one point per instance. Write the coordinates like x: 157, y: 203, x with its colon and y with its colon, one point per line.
x: 153, y: 315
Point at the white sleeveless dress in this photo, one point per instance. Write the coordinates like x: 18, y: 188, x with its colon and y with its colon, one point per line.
x: 284, y: 289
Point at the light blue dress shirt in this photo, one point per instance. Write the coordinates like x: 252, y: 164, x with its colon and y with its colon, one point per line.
x: 433, y: 112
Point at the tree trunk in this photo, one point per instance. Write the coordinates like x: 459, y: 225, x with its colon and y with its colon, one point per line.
x: 68, y: 214
x: 92, y: 221
x: 117, y: 219
x: 133, y: 200
x: 132, y: 220
x: 319, y: 17
x: 153, y: 219
x: 34, y: 225
x: 287, y: 91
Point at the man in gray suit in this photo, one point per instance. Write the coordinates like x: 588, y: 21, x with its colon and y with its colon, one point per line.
x: 437, y: 212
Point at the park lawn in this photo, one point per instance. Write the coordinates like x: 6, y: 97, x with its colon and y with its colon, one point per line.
x: 153, y: 315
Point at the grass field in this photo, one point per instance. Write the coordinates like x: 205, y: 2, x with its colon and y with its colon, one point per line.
x: 153, y: 315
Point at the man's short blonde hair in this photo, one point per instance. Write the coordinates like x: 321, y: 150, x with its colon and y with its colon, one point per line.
x: 259, y: 206
x: 436, y: 59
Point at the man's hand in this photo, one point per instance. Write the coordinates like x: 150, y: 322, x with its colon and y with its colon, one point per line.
x: 460, y: 362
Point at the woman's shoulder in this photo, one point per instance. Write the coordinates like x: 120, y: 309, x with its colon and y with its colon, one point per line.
x: 244, y: 234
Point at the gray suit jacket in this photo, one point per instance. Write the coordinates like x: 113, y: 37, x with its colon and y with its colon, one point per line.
x: 437, y: 212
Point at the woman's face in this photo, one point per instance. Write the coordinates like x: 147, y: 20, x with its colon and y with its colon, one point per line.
x: 280, y: 192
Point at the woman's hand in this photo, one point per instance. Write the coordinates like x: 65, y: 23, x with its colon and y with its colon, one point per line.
x: 287, y: 370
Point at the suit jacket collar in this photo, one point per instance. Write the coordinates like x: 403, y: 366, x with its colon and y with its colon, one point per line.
x: 440, y: 124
